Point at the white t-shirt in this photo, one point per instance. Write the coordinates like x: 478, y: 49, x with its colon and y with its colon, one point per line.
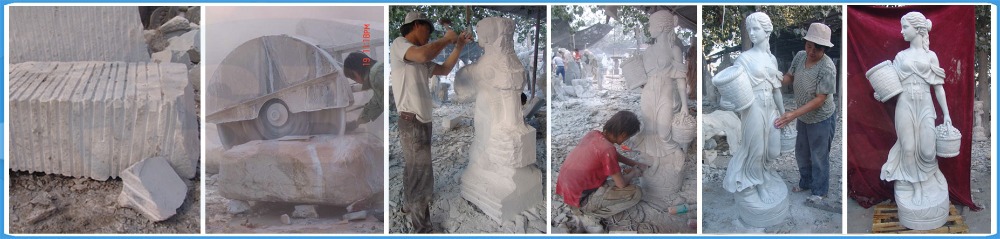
x: 559, y: 61
x: 409, y: 81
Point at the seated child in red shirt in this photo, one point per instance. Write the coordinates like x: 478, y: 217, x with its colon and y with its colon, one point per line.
x: 583, y: 178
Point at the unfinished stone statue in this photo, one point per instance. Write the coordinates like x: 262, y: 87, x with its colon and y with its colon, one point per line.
x: 753, y: 84
x: 920, y: 187
x: 978, y: 130
x: 501, y: 178
x: 660, y: 101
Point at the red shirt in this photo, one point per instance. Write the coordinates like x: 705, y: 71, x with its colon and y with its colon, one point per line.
x: 587, y: 167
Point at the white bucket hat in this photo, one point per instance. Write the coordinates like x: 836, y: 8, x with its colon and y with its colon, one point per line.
x: 819, y: 33
x: 415, y: 16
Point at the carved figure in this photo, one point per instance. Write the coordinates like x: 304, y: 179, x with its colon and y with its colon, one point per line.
x: 753, y: 84
x: 661, y: 101
x: 501, y: 178
x: 920, y: 188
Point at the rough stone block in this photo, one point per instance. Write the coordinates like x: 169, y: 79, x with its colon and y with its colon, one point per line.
x: 324, y: 170
x: 95, y: 119
x: 153, y: 188
x: 502, y: 191
x: 237, y: 206
x: 305, y: 211
x: 450, y: 123
x: 76, y: 33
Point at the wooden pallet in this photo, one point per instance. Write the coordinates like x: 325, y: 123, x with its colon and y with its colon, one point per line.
x: 887, y: 221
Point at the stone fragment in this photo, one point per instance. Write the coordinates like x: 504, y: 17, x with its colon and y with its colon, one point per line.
x: 322, y: 170
x: 42, y: 199
x: 39, y: 215
x: 76, y: 33
x: 359, y: 215
x: 94, y: 119
x: 285, y: 219
x: 177, y: 23
x: 172, y: 56
x: 305, y: 211
x: 237, y: 206
x: 453, y: 122
x: 153, y: 188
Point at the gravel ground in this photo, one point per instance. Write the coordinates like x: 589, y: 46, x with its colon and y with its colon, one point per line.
x: 264, y: 217
x: 450, y: 213
x: 574, y: 117
x: 720, y: 212
x: 89, y: 206
x: 859, y: 219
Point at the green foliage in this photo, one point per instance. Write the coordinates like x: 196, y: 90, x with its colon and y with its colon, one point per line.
x: 457, y: 14
x: 983, y: 27
x: 723, y: 25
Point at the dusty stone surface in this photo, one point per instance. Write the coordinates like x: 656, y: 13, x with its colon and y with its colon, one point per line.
x: 328, y: 170
x: 152, y: 187
x: 859, y: 219
x: 719, y: 208
x: 94, y: 119
x: 213, y: 149
x: 78, y: 205
x: 574, y: 117
x: 450, y: 213
x: 237, y: 206
x: 305, y: 211
x: 76, y: 33
x: 264, y: 217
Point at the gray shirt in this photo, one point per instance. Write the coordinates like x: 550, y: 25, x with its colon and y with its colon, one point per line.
x: 809, y: 81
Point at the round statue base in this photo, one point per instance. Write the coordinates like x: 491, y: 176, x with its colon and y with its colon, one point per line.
x: 926, y: 216
x: 764, y: 208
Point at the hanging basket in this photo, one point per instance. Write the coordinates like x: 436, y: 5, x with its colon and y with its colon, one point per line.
x: 734, y: 86
x: 949, y: 140
x: 885, y: 81
x: 788, y: 136
x: 684, y: 128
x: 634, y: 72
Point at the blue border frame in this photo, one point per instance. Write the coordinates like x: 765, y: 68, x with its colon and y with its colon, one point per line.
x: 996, y: 47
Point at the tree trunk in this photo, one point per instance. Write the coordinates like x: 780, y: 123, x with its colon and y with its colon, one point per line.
x: 983, y: 86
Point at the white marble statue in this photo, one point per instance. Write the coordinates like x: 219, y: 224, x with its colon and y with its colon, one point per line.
x: 920, y: 187
x: 501, y: 178
x: 761, y: 195
x: 978, y: 129
x: 661, y: 101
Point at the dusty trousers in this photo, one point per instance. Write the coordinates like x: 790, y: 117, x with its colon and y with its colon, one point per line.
x: 418, y: 173
x: 609, y: 200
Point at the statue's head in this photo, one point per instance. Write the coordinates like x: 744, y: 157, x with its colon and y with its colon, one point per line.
x: 915, y: 24
x: 493, y: 30
x: 661, y: 21
x: 759, y: 26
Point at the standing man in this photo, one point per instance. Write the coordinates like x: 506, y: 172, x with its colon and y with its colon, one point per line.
x: 814, y: 77
x: 560, y: 67
x: 368, y: 72
x: 411, y: 56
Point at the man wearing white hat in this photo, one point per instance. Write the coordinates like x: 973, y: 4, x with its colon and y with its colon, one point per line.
x: 814, y: 76
x: 410, y: 60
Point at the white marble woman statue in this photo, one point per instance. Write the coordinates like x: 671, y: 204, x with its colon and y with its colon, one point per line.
x: 761, y: 195
x: 662, y: 98
x: 501, y: 178
x: 920, y: 188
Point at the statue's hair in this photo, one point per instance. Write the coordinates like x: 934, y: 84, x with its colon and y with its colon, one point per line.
x: 923, y: 26
x: 762, y: 19
x: 665, y: 17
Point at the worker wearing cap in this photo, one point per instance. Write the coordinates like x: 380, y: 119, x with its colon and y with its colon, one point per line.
x: 410, y: 60
x: 368, y: 72
x: 814, y: 77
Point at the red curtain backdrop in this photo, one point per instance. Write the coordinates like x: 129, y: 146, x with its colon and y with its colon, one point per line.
x: 872, y: 37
